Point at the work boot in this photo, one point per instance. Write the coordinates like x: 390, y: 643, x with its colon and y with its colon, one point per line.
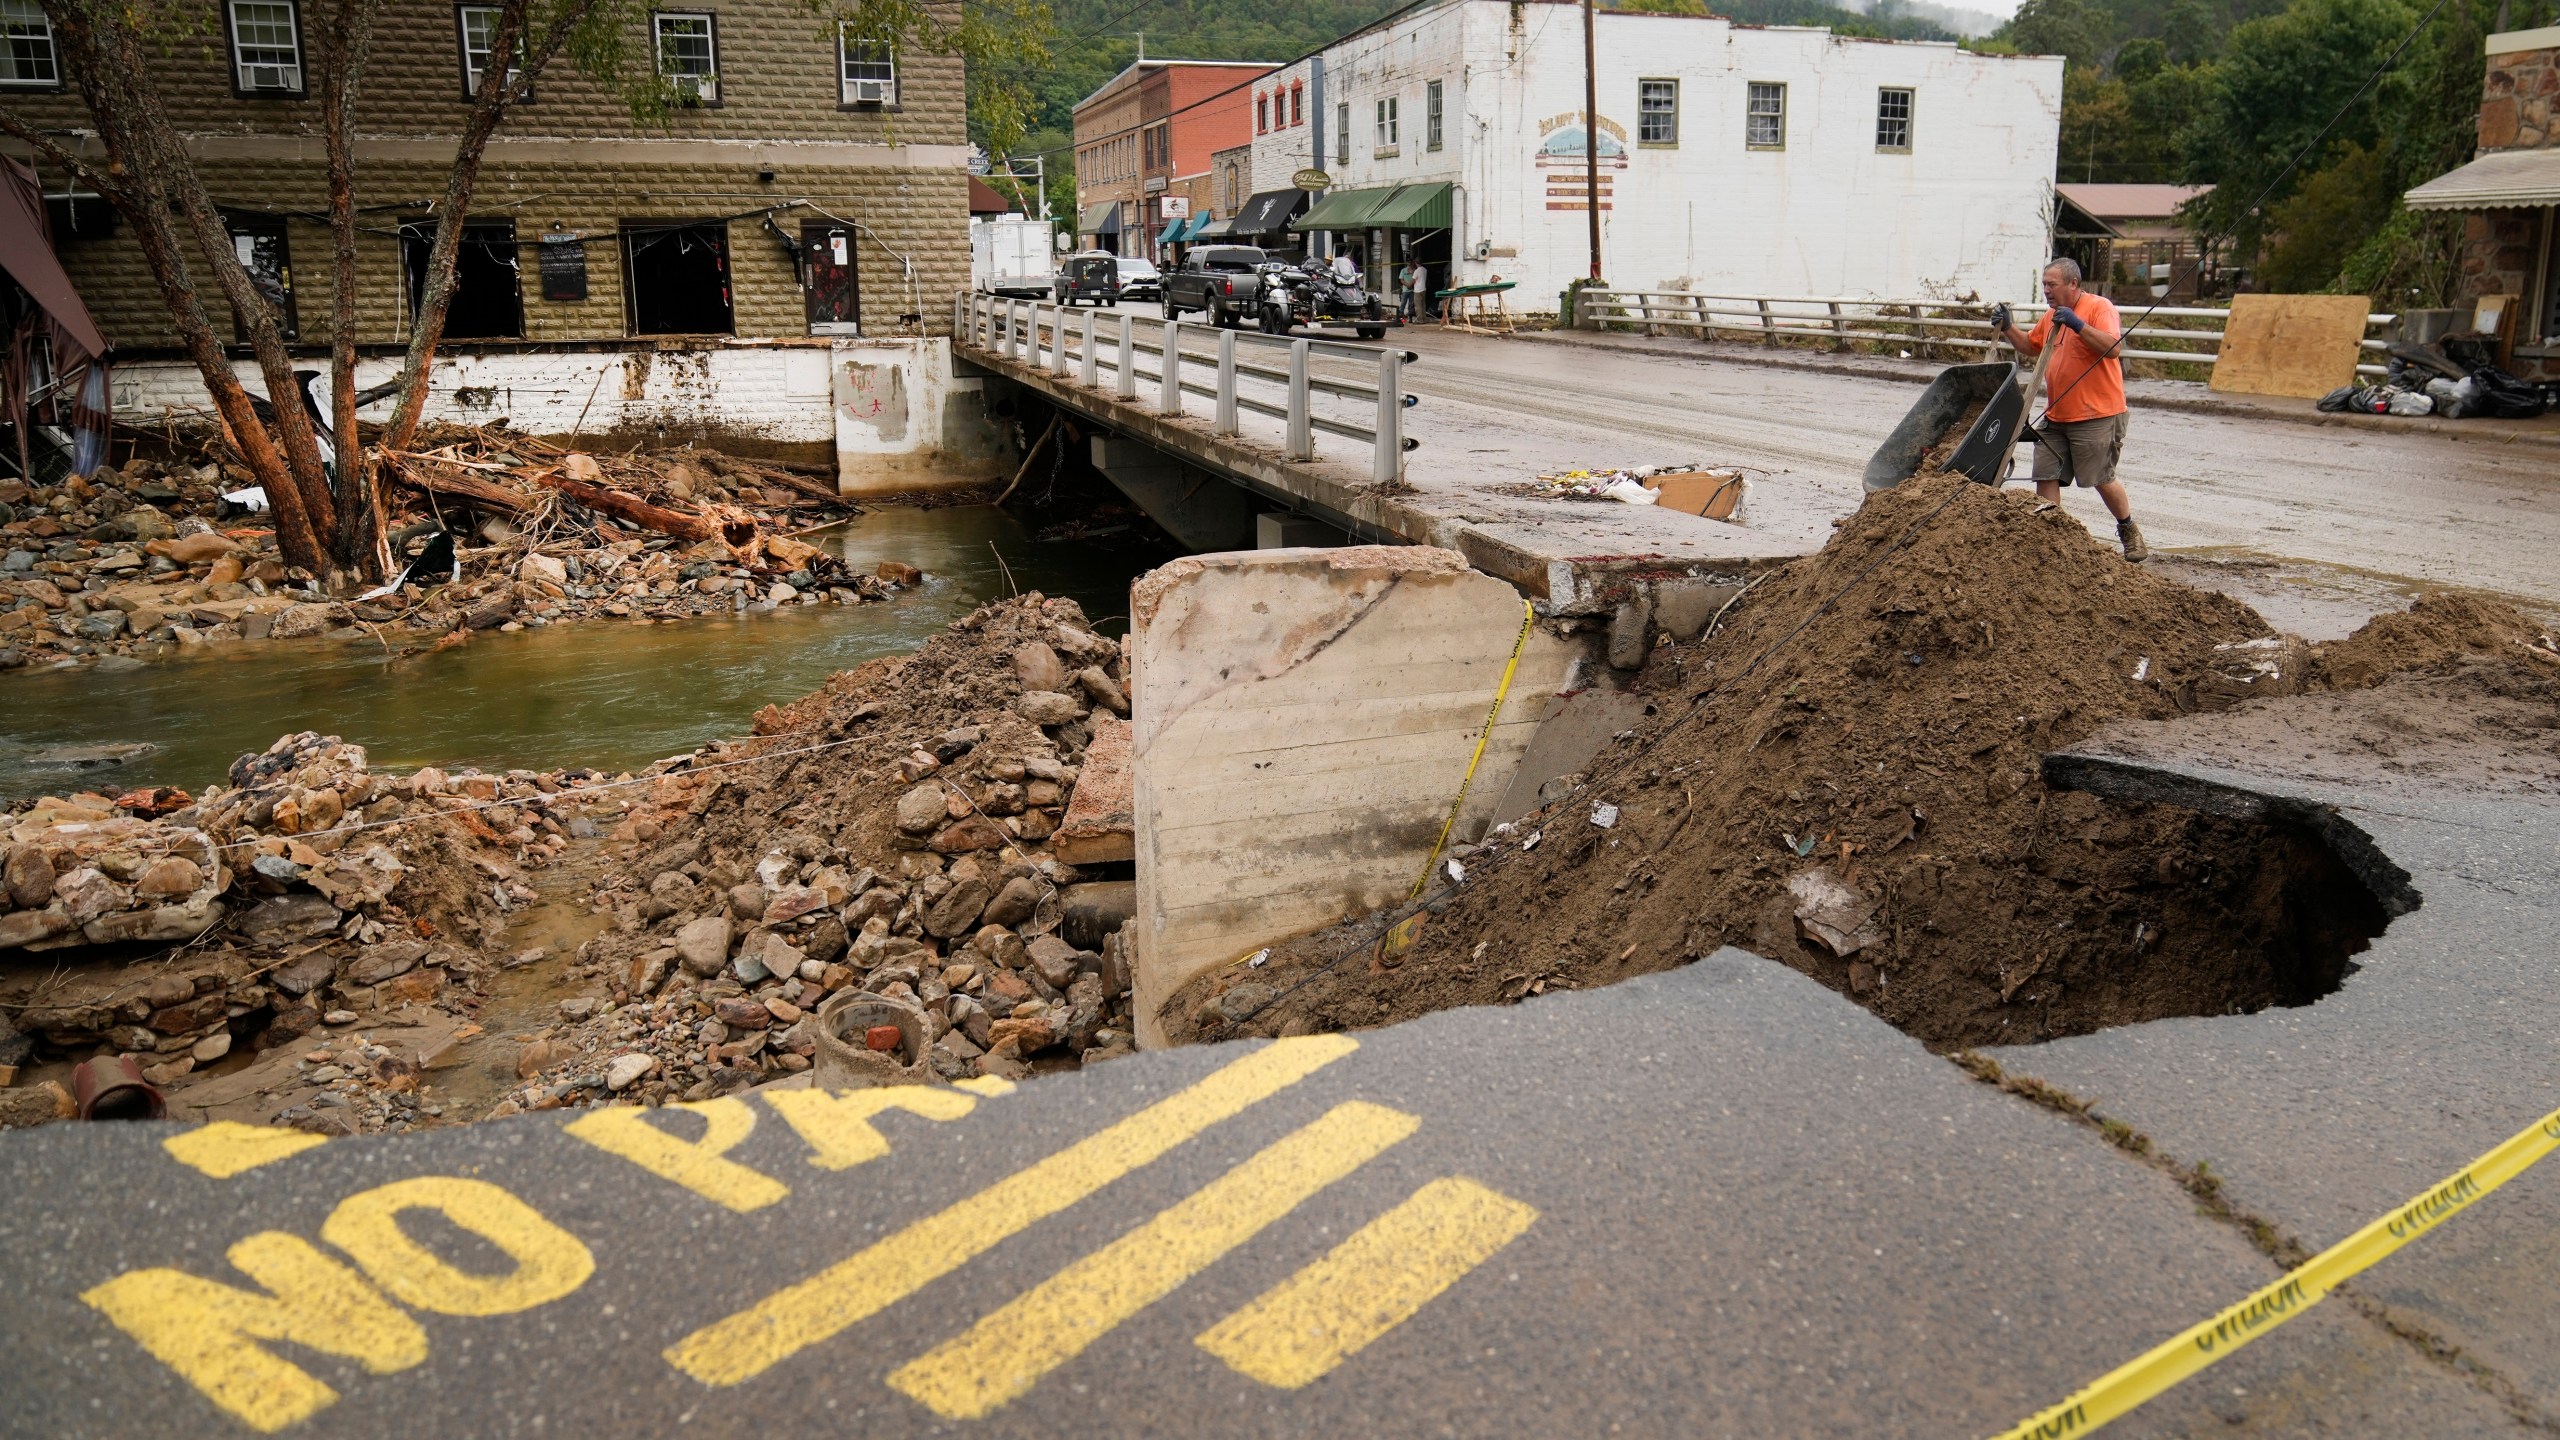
x: 2131, y: 534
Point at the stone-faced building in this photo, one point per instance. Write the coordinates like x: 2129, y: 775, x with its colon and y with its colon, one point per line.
x: 2510, y: 193
x: 770, y: 268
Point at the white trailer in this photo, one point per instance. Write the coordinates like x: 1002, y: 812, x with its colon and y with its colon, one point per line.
x: 1012, y: 255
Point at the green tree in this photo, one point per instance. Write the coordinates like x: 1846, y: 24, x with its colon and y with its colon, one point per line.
x: 2070, y: 28
x: 2281, y: 80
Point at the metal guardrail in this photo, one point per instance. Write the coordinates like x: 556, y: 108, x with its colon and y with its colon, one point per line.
x: 1084, y: 346
x: 1838, y: 320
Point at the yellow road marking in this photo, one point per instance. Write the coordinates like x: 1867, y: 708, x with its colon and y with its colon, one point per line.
x: 838, y: 1127
x: 1300, y: 1329
x: 550, y: 1262
x: 783, y: 1324
x: 990, y: 1086
x: 628, y: 1131
x: 226, y: 1147
x: 206, y: 1331
x: 1004, y: 1355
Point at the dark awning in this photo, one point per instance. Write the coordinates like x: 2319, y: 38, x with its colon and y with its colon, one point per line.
x: 1394, y: 207
x: 1102, y: 219
x: 26, y: 252
x: 1269, y: 213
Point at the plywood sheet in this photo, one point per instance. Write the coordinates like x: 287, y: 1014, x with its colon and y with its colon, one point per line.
x: 2299, y: 345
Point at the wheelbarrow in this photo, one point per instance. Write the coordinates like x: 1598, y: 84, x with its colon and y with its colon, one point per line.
x: 1989, y: 446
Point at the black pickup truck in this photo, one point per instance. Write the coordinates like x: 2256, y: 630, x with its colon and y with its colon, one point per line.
x: 1221, y: 281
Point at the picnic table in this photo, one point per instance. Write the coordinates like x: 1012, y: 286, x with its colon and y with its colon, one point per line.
x: 1462, y: 307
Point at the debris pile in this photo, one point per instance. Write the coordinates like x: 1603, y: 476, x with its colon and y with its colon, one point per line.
x: 1846, y: 778
x: 891, y: 841
x: 493, y: 531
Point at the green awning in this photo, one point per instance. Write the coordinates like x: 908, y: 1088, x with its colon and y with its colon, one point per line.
x: 1392, y: 207
x: 1102, y: 219
x: 1172, y: 231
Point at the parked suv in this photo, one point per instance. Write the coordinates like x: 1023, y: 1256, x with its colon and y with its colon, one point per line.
x: 1094, y: 277
x: 1224, y: 281
x: 1140, y: 279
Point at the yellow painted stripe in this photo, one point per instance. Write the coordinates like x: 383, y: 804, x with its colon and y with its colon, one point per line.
x: 792, y: 1319
x: 1003, y: 1356
x: 226, y: 1147
x: 1296, y: 1332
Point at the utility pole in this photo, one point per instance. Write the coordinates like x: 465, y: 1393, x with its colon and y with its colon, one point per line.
x: 1591, y: 131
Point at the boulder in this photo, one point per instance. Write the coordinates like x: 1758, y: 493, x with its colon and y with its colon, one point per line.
x: 1014, y: 903
x: 1039, y: 668
x: 288, y: 917
x: 539, y: 567
x: 703, y: 946
x: 975, y: 833
x: 1049, y: 707
x: 381, y: 962
x: 312, y: 617
x: 921, y: 808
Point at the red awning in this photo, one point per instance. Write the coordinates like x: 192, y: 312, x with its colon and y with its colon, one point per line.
x: 26, y: 252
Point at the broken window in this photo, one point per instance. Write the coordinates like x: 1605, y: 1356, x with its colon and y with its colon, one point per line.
x: 675, y: 277
x: 258, y: 241
x: 488, y: 289
x: 26, y: 45
x: 1657, y: 112
x: 1893, y: 118
x: 266, y: 47
x: 1766, y: 123
x: 868, y: 69
x: 828, y: 278
x: 689, y: 55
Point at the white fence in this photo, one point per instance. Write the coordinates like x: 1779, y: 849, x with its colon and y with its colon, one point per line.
x: 1835, y: 321
x: 1357, y: 396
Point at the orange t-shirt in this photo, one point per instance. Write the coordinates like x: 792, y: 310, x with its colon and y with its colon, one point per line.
x: 2082, y: 384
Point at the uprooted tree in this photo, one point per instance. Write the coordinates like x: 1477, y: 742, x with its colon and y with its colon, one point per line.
x: 327, y: 503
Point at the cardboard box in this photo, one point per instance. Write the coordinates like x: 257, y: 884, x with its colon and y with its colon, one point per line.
x: 1714, y: 494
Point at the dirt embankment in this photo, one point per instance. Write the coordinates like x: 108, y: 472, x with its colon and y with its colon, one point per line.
x: 1845, y: 778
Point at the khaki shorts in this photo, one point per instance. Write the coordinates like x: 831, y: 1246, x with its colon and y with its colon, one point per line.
x: 2079, y: 452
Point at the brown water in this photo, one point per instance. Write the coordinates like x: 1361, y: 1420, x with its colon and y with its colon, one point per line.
x: 604, y: 694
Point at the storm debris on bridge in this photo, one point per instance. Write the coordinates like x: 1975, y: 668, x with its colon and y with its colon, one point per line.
x: 1878, y: 713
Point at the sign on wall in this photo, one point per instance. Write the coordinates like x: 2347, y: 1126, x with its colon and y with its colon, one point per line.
x: 564, y: 268
x: 1176, y: 207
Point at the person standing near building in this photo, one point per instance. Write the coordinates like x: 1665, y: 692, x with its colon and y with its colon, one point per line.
x: 2082, y: 434
x: 1417, y: 290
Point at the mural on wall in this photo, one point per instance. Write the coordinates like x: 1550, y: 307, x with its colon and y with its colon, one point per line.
x: 1562, y: 148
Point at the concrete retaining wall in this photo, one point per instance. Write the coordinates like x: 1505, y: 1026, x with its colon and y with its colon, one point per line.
x: 1303, y: 721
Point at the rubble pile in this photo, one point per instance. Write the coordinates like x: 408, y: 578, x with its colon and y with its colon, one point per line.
x: 1846, y: 778
x: 146, y: 560
x: 306, y: 888
x: 906, y: 859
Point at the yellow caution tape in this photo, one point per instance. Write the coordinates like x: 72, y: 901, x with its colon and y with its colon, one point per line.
x: 2164, y: 1365
x: 1401, y: 937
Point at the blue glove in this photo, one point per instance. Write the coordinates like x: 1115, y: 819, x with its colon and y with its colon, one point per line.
x: 2069, y: 318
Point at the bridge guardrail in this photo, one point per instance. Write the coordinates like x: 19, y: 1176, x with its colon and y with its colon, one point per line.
x: 1838, y: 320
x: 1079, y: 345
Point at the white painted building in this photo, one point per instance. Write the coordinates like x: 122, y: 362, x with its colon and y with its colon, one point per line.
x: 1733, y: 158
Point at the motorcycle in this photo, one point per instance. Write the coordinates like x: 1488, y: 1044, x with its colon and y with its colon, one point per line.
x: 1294, y: 295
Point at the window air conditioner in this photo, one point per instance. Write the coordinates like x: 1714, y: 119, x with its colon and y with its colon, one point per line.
x: 272, y: 77
x: 867, y: 92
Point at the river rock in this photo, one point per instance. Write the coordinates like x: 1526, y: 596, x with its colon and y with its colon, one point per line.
x: 212, y: 1047
x: 920, y: 809
x: 288, y: 917
x: 381, y: 962
x: 312, y: 617
x: 540, y: 567
x: 703, y: 946
x: 1245, y: 1001
x: 958, y: 909
x: 625, y: 1071
x: 195, y: 549
x: 304, y: 975
x: 1106, y: 692
x: 1055, y: 960
x: 975, y: 833
x: 30, y: 876
x: 168, y: 877
x: 1039, y: 668
x: 1049, y: 707
x: 104, y: 625
x: 1014, y: 903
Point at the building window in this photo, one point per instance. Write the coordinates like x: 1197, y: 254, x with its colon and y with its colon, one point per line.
x: 1657, y: 112
x: 1431, y: 114
x: 266, y: 47
x: 479, y: 26
x: 689, y: 56
x: 1342, y: 133
x: 1297, y: 104
x: 258, y: 241
x: 488, y: 290
x: 675, y: 277
x: 1766, y: 124
x: 866, y: 70
x: 1387, y: 124
x: 26, y: 45
x: 1261, y: 114
x: 1893, y: 119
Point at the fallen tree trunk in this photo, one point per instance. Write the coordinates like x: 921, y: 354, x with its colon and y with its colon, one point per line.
x: 427, y: 474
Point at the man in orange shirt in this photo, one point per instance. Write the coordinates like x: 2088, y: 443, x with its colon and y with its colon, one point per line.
x: 2084, y: 420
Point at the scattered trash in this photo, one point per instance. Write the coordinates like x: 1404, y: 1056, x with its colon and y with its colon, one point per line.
x: 2142, y: 669
x: 1457, y: 872
x: 1831, y: 914
x: 1604, y: 815
x: 1258, y: 958
x: 1532, y: 842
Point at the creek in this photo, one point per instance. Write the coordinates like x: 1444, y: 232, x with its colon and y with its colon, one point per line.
x: 611, y: 695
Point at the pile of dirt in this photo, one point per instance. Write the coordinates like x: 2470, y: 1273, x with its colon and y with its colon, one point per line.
x: 1846, y: 779
x: 893, y: 842
x: 2436, y: 633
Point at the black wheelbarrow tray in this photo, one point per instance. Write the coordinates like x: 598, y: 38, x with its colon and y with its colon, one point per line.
x: 1989, y: 447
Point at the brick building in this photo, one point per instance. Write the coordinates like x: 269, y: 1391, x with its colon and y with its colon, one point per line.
x: 1150, y: 131
x: 813, y: 197
x: 2510, y: 193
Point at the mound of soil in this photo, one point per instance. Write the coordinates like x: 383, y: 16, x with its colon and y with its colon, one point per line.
x: 1846, y: 779
x: 2436, y: 633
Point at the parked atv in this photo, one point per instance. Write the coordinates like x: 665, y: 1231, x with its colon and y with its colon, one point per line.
x: 1295, y: 295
